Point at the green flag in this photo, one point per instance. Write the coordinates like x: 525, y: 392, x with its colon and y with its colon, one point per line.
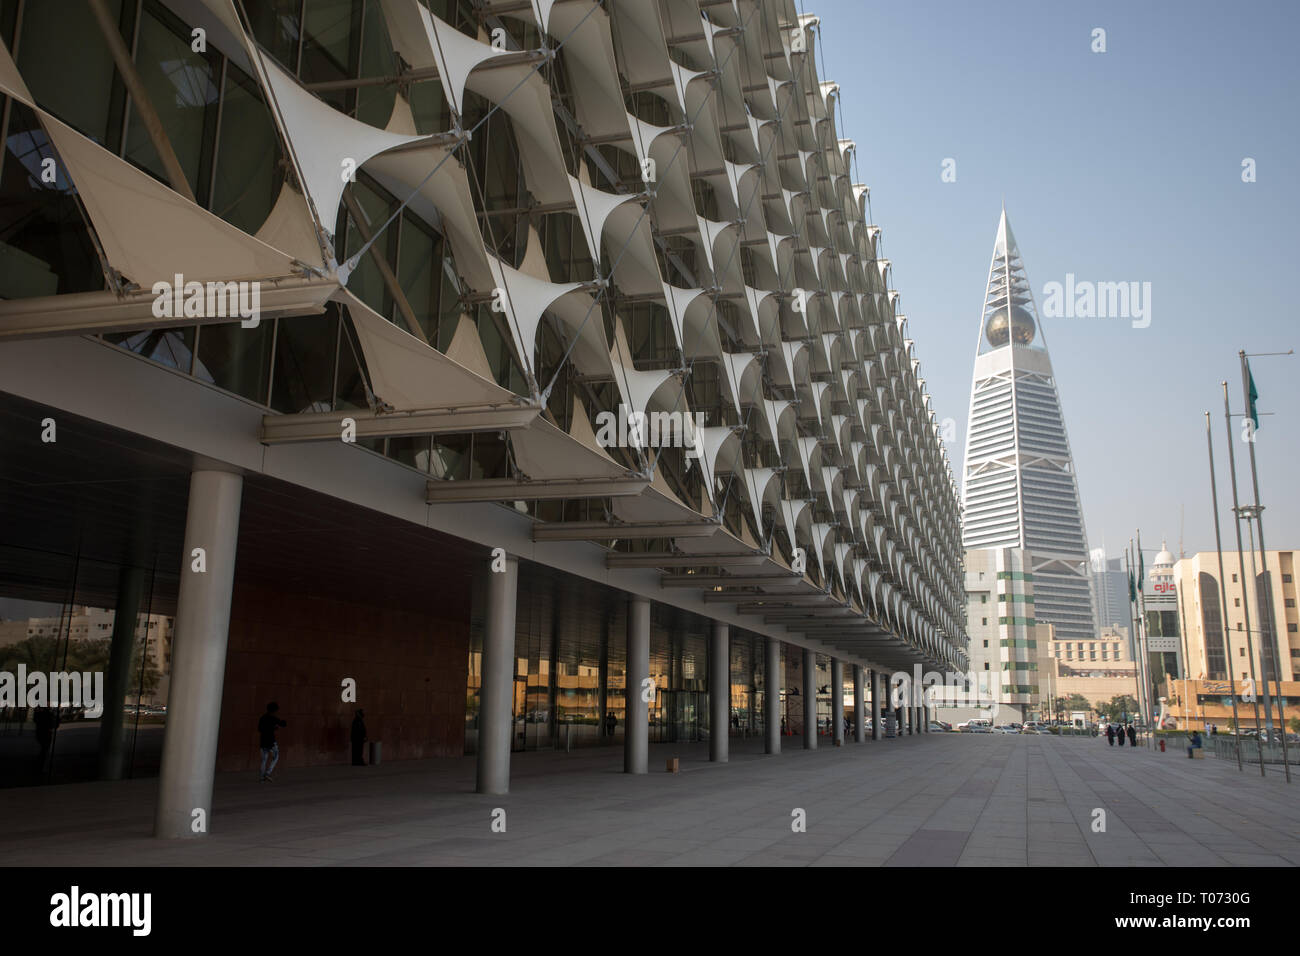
x: 1142, y: 569
x: 1132, y: 591
x: 1252, y: 396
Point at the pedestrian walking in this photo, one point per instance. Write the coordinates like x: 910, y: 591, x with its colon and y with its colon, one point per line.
x: 1132, y: 736
x: 1110, y: 734
x: 267, y: 725
x: 1214, y: 730
x: 1119, y: 732
x: 46, y: 720
x: 611, y: 722
x: 358, y: 738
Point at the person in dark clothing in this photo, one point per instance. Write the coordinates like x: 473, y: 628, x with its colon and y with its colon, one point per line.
x: 46, y: 720
x: 1120, y: 734
x: 611, y: 722
x: 1132, y: 736
x: 1196, y: 743
x: 1214, y: 730
x: 267, y: 725
x: 358, y: 738
x: 1110, y: 734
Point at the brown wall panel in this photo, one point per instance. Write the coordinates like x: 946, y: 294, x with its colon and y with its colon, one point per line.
x: 409, y: 663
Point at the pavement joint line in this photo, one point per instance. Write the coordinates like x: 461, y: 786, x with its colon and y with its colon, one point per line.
x: 1023, y: 799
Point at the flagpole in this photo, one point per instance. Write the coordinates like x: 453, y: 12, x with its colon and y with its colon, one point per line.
x: 1147, y: 682
x: 1132, y: 624
x: 1241, y: 562
x: 1223, y: 597
x: 1248, y: 387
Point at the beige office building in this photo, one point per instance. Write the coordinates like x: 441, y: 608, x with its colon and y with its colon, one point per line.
x: 1098, y: 669
x: 1217, y: 667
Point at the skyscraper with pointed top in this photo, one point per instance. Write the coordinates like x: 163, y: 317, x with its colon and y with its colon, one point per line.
x: 1020, y: 489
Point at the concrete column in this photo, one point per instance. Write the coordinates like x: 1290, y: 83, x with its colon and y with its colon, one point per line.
x: 719, y: 693
x: 859, y: 706
x: 809, y: 700
x: 117, y: 682
x: 837, y: 701
x: 772, y: 698
x: 636, y: 726
x: 876, y: 716
x: 496, y: 697
x: 189, y: 754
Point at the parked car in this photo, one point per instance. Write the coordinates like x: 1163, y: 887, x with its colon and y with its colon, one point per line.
x: 939, y: 727
x: 1006, y: 729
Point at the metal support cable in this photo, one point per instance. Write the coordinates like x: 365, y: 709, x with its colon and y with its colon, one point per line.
x: 671, y: 161
x: 345, y: 269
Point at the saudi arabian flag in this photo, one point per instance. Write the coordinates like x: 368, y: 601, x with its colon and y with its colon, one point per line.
x: 1251, y: 397
x: 1132, y: 591
x: 1142, y: 570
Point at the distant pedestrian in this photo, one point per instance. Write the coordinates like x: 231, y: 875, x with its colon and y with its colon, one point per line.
x: 611, y: 722
x: 267, y: 725
x: 1214, y: 730
x: 1110, y: 734
x: 1132, y: 736
x: 358, y: 738
x: 1120, y: 734
x: 1195, y: 744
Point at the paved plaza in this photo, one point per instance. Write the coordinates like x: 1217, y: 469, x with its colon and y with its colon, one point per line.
x: 933, y: 800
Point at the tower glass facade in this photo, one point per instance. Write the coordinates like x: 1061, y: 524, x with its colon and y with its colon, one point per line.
x: 1020, y: 487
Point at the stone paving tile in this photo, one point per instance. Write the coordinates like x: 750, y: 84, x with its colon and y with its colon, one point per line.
x: 934, y: 800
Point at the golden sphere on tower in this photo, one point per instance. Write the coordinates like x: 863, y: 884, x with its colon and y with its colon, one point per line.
x: 1021, y: 329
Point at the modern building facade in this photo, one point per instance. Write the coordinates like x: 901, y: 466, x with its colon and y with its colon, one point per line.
x: 1219, y: 665
x: 1161, y: 633
x: 524, y: 373
x: 1110, y: 591
x: 1005, y: 636
x: 1020, y: 489
x: 1098, y: 669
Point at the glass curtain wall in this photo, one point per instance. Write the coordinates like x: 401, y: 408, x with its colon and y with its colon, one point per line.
x: 746, y: 651
x: 1212, y: 627
x: 571, y: 668
x: 570, y: 663
x: 679, y: 652
x: 103, y: 681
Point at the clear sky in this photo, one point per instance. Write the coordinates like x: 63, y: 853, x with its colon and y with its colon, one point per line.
x: 1115, y: 166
